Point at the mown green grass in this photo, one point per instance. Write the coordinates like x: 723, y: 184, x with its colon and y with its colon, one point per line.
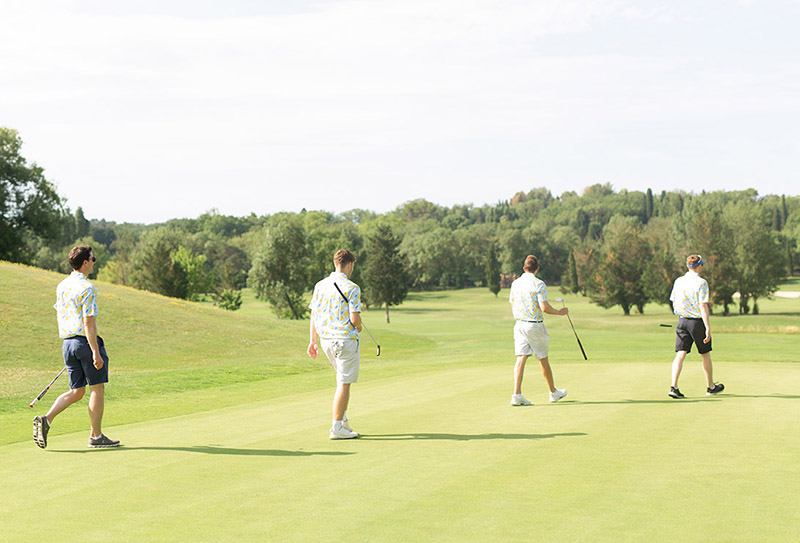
x: 224, y: 422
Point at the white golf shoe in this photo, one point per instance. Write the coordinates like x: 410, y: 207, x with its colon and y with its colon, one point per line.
x: 342, y: 433
x: 519, y: 399
x: 558, y: 394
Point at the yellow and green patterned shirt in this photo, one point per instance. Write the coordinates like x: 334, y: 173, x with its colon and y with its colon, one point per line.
x: 76, y: 298
x: 689, y: 292
x: 330, y: 312
x: 526, y: 293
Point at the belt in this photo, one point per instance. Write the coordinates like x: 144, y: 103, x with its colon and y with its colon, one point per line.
x: 534, y: 322
x: 691, y: 318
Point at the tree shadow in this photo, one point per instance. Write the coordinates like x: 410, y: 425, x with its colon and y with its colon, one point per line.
x: 462, y: 437
x: 212, y: 449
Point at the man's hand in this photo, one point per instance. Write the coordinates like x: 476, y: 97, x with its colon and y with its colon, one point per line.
x: 98, y: 360
x: 563, y: 311
x: 313, y: 350
x: 708, y: 336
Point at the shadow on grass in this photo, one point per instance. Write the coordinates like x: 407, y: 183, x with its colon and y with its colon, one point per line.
x: 637, y: 402
x: 210, y: 449
x: 777, y: 396
x: 463, y: 437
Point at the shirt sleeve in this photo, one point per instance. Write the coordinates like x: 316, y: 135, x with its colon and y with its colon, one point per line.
x: 314, y: 300
x: 542, y: 293
x: 703, y: 293
x: 355, y: 299
x: 87, y: 302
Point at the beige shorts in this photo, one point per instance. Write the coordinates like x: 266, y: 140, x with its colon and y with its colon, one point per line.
x: 531, y: 338
x: 345, y: 358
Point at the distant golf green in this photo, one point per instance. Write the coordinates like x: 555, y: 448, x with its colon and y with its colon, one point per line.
x: 224, y: 422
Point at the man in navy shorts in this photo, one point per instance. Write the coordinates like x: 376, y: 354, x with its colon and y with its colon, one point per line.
x: 690, y: 302
x: 84, y: 351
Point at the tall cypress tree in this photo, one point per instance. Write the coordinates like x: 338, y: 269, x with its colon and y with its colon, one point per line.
x: 493, y: 270
x: 574, y: 286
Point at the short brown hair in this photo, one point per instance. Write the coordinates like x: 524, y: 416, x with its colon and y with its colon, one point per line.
x: 79, y: 255
x: 343, y: 257
x: 531, y: 264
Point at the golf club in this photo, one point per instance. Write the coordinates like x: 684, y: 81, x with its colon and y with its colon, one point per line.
x: 42, y: 393
x: 362, y: 322
x: 573, y: 329
x: 666, y: 325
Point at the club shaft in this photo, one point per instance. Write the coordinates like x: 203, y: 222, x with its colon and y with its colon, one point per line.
x: 43, y: 392
x: 576, y: 333
x: 364, y: 326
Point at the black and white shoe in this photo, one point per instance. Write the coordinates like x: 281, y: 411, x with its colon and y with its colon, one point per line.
x: 675, y: 393
x: 40, y: 428
x: 716, y: 389
x: 102, y: 442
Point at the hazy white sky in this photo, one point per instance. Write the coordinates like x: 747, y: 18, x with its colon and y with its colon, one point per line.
x: 149, y: 110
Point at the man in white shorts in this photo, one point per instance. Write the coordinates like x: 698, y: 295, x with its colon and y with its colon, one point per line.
x: 335, y: 325
x: 528, y: 300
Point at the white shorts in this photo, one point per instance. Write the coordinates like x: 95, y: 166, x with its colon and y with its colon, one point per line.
x: 345, y: 358
x: 531, y: 338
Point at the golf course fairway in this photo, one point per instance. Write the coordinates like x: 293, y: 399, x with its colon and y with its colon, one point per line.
x: 236, y: 448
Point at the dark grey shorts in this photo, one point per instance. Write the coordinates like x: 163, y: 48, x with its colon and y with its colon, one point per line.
x: 79, y: 362
x: 689, y: 331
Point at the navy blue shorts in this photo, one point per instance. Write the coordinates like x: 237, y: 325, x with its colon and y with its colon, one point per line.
x: 80, y: 364
x: 690, y: 331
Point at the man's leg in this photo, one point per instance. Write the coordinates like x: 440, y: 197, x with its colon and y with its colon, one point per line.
x: 64, y: 401
x: 547, y: 373
x: 96, y: 407
x: 341, y: 400
x: 677, y: 366
x: 519, y: 372
x: 708, y: 370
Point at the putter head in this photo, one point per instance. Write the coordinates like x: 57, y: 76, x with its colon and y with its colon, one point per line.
x: 379, y: 351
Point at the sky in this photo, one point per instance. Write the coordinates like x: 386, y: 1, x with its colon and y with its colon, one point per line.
x: 157, y: 109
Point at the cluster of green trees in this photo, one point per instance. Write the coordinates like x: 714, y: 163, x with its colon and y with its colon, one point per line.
x: 620, y: 248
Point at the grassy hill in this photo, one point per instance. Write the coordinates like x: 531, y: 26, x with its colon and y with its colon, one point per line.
x: 167, y: 356
x: 224, y: 424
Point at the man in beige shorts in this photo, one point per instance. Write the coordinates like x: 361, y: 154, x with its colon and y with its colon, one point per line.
x: 528, y: 300
x: 334, y: 327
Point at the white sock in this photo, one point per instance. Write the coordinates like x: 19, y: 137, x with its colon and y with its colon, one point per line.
x: 337, y: 425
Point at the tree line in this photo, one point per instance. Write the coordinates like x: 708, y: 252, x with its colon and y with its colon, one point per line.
x: 619, y: 248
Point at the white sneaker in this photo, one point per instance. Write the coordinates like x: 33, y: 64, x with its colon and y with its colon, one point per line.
x: 519, y: 399
x: 342, y: 433
x: 558, y: 394
x: 346, y: 425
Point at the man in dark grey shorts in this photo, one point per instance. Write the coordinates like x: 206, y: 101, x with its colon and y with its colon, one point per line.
x: 690, y: 302
x: 84, y: 351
